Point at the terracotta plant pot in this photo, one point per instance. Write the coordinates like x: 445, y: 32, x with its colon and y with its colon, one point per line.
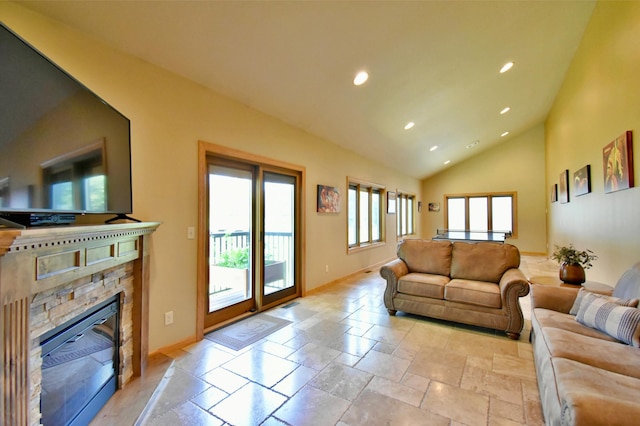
x: 572, y: 273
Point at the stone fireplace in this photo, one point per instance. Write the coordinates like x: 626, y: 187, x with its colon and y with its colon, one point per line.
x: 51, y: 275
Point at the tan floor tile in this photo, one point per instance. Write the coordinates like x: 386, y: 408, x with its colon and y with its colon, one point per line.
x: 250, y: 405
x: 295, y: 381
x: 374, y: 409
x: 514, y: 366
x: 415, y: 382
x: 312, y: 406
x: 435, y: 364
x: 397, y: 391
x: 481, y: 345
x: 261, y: 367
x: 457, y: 404
x: 341, y: 381
x: 505, y: 388
x: 506, y: 410
x: 383, y: 365
x: 314, y: 356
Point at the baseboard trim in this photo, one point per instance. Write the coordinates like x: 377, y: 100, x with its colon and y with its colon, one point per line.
x: 373, y: 267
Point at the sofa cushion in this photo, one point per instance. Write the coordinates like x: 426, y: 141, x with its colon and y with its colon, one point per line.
x: 544, y: 318
x: 483, y: 261
x: 618, y: 301
x: 472, y: 292
x: 593, y: 396
x: 611, y: 356
x: 621, y: 322
x: 426, y: 285
x: 426, y: 256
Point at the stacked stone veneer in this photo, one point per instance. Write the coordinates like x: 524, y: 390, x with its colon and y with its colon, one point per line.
x: 54, y: 307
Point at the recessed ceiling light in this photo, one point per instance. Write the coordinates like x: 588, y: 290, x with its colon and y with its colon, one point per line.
x: 409, y: 125
x: 504, y: 134
x: 506, y: 110
x: 361, y: 78
x: 433, y: 148
x: 472, y: 144
x: 447, y: 162
x: 506, y: 67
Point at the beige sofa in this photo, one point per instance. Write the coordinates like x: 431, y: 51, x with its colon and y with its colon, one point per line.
x: 477, y: 284
x: 586, y: 375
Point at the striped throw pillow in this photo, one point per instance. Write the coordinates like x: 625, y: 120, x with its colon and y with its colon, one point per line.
x: 619, y: 322
x: 617, y: 300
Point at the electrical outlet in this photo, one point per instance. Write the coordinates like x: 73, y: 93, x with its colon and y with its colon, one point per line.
x: 191, y: 233
x: 168, y: 318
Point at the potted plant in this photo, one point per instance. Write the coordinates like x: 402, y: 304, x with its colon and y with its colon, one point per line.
x: 573, y: 262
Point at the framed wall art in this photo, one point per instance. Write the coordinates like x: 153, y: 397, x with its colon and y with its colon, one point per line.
x: 582, y: 181
x: 617, y: 163
x: 554, y: 192
x: 563, y: 187
x: 328, y: 199
x: 434, y: 207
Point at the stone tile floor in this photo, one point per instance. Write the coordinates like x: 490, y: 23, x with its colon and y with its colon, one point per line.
x: 345, y: 361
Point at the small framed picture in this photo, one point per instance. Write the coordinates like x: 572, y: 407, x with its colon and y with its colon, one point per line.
x: 554, y: 192
x: 434, y: 207
x: 563, y: 187
x: 582, y: 181
x: 328, y: 199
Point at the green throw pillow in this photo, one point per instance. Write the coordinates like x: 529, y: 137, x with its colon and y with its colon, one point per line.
x: 619, y: 322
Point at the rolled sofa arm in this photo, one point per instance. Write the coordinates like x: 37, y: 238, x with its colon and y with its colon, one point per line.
x: 392, y: 272
x: 513, y: 285
x: 558, y: 299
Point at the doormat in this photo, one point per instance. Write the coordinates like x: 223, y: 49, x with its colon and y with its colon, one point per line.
x: 243, y: 333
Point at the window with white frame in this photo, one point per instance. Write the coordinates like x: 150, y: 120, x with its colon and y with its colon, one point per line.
x: 482, y: 212
x: 364, y: 205
x: 405, y: 214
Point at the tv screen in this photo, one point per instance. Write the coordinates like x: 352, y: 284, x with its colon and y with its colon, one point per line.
x: 62, y: 148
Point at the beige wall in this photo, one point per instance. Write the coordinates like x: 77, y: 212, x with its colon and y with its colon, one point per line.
x: 168, y: 116
x: 598, y: 101
x: 514, y: 165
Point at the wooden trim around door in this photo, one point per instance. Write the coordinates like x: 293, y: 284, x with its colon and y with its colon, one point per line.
x: 205, y: 149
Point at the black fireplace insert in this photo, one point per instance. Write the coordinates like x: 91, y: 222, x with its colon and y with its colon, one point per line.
x: 80, y: 365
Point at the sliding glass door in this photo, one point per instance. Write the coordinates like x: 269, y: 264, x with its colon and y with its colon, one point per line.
x: 231, y: 194
x: 253, y: 238
x: 279, y: 241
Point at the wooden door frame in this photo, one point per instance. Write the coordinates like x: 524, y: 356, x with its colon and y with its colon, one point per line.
x: 206, y: 149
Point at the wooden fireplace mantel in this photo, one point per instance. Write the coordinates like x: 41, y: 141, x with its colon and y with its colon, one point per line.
x: 39, y: 259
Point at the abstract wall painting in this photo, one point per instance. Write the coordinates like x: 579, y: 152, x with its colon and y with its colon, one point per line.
x: 328, y: 199
x: 582, y: 181
x: 617, y: 163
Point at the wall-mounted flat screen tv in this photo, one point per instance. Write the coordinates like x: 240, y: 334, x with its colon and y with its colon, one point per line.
x: 62, y: 148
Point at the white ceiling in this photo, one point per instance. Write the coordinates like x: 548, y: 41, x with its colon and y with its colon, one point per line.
x: 432, y: 62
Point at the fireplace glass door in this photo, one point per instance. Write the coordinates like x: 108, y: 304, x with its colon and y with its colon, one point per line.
x: 79, y: 364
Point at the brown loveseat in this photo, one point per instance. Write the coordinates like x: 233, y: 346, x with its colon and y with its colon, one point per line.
x: 586, y: 375
x: 477, y: 284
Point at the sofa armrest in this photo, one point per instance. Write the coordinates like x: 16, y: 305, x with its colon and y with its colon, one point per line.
x: 513, y: 285
x: 558, y: 299
x: 392, y: 272
x: 513, y: 281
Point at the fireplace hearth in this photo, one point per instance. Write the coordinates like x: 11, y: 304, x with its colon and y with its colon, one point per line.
x: 80, y: 365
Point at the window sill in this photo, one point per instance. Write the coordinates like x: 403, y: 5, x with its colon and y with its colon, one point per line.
x: 363, y: 247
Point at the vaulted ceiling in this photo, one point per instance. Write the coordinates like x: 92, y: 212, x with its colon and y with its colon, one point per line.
x: 433, y: 63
